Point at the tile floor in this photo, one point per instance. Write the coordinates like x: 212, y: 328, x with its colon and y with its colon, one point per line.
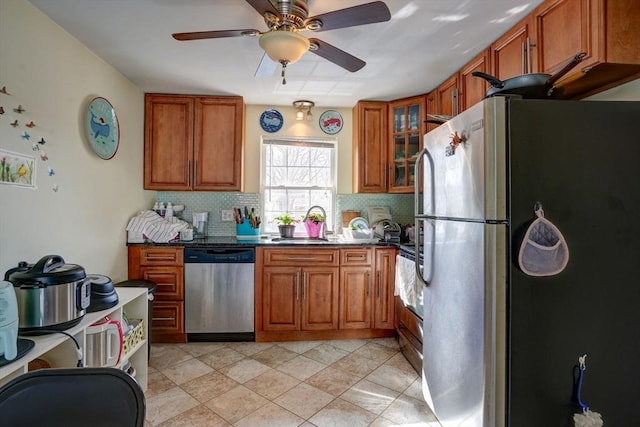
x: 310, y: 383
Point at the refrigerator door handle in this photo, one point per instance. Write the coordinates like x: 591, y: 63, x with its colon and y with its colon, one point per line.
x: 417, y: 214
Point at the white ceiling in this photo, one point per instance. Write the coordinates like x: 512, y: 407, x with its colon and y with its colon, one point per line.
x: 424, y: 43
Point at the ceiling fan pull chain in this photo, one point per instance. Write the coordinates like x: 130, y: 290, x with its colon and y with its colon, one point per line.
x: 284, y: 68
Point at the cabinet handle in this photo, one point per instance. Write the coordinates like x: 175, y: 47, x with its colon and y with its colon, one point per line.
x: 301, y: 258
x: 523, y: 59
x: 297, y: 292
x: 528, y: 51
x: 454, y: 101
x: 188, y: 177
x: 368, y: 284
x: 356, y: 257
x: 379, y: 286
x: 163, y: 318
x: 305, y: 277
x: 195, y: 172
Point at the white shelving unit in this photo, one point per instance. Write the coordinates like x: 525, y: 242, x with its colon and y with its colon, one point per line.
x: 60, y: 351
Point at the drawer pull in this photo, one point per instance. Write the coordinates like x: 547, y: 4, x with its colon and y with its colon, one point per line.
x: 163, y: 318
x: 301, y: 258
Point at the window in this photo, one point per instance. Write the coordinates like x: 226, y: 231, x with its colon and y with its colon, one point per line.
x: 297, y: 173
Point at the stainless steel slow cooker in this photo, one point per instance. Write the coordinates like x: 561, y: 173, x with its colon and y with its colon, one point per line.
x: 51, y: 294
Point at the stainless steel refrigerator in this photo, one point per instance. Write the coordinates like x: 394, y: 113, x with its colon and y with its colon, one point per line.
x: 500, y: 346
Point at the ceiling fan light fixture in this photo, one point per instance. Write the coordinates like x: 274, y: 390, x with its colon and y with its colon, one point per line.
x: 284, y: 46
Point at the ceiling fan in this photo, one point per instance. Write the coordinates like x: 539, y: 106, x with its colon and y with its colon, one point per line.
x: 283, y: 42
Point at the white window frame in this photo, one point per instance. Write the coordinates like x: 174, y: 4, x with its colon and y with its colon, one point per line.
x: 269, y: 226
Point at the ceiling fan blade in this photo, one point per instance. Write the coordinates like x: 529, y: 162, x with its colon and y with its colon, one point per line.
x: 367, y: 13
x: 199, y: 35
x: 266, y: 68
x: 337, y: 56
x: 263, y: 6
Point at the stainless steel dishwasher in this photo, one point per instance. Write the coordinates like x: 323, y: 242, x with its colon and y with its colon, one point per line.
x: 219, y: 293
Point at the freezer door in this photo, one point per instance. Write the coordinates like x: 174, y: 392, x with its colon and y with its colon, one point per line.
x: 461, y: 323
x: 463, y: 170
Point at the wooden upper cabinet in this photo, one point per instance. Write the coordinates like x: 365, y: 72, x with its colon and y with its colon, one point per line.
x: 168, y: 132
x: 473, y: 89
x: 406, y: 130
x: 432, y: 108
x: 607, y: 30
x: 218, y: 143
x: 370, y: 135
x: 193, y: 143
x: 511, y: 54
x: 447, y: 98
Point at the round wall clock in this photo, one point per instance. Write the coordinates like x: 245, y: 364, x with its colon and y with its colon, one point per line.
x: 271, y: 121
x: 101, y: 126
x: 331, y: 122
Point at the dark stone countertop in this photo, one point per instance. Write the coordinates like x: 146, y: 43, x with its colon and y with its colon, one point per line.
x: 213, y: 241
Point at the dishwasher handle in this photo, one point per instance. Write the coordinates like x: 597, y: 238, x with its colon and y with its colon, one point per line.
x: 220, y: 255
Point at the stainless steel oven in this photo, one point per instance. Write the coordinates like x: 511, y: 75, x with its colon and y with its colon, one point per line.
x: 409, y: 307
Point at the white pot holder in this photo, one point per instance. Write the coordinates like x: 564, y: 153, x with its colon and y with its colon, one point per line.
x: 544, y: 251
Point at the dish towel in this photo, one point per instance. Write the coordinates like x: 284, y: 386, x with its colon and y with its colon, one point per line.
x: 406, y: 281
x: 156, y: 228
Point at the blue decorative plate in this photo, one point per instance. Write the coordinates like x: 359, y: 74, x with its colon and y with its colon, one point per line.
x: 101, y: 127
x: 271, y: 121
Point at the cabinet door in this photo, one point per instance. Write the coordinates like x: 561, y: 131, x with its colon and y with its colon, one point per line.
x: 562, y: 29
x: 510, y: 54
x: 281, y: 295
x: 168, y: 136
x: 355, y: 297
x: 218, y: 143
x: 473, y: 89
x: 319, y: 298
x: 432, y: 108
x: 384, y: 287
x: 406, y: 120
x: 370, y: 172
x: 447, y: 97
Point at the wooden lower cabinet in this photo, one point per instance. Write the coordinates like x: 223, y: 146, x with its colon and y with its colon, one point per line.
x: 165, y: 267
x: 168, y: 321
x: 385, y: 286
x: 300, y: 299
x: 324, y: 293
x: 355, y: 297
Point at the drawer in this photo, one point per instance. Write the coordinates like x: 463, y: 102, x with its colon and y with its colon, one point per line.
x: 356, y: 256
x: 407, y: 320
x: 169, y: 281
x: 301, y: 257
x: 172, y: 256
x: 168, y: 318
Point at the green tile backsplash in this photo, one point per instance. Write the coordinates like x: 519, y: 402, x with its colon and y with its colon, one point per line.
x: 401, y: 206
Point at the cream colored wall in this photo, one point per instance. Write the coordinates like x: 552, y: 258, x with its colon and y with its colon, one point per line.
x: 291, y: 128
x: 53, y: 77
x: 627, y: 92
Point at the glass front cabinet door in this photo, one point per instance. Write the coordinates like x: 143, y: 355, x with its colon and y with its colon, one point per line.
x: 407, y: 119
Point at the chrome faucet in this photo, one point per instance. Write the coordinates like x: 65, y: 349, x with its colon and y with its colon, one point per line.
x: 323, y: 230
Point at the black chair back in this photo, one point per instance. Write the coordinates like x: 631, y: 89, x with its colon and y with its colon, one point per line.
x: 72, y: 397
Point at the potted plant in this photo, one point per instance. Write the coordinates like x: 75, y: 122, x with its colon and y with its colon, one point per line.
x: 314, y: 222
x: 286, y: 224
